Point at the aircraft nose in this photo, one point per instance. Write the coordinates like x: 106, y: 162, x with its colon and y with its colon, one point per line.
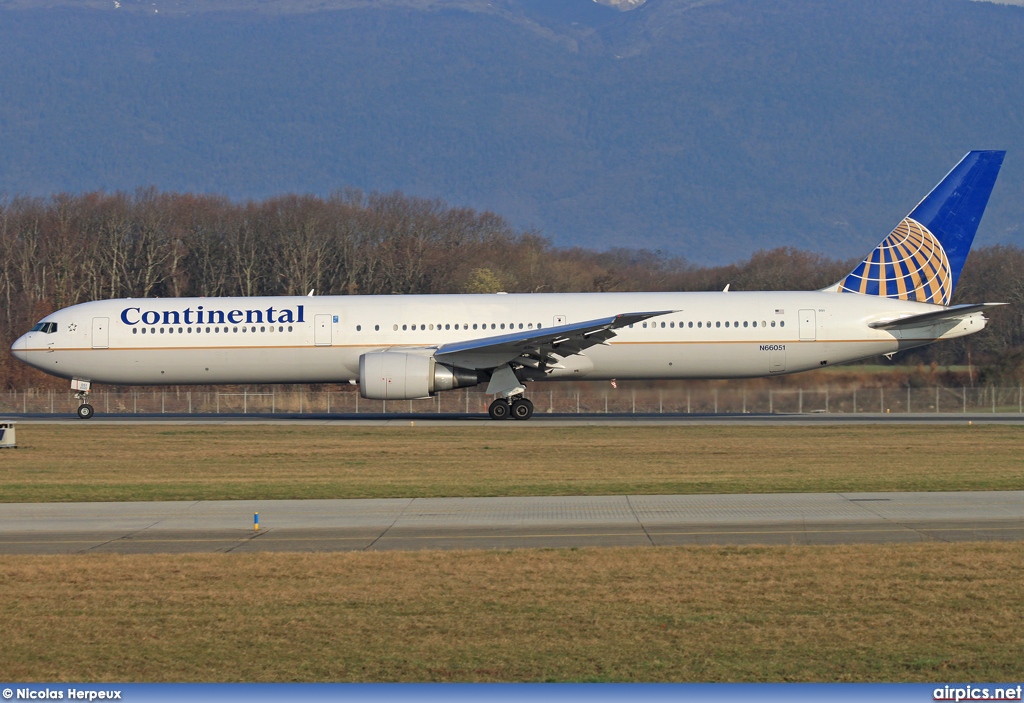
x: 19, y: 347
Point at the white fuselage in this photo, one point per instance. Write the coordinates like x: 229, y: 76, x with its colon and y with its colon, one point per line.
x: 320, y: 339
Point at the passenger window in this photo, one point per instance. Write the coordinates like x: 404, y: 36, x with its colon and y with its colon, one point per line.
x: 520, y: 325
x: 645, y: 325
x: 700, y: 324
x: 726, y: 323
x: 289, y: 328
x: 529, y: 326
x: 539, y: 325
x: 264, y: 329
x: 773, y: 323
x: 782, y: 323
x: 447, y: 327
x: 396, y: 328
x: 492, y: 326
x: 404, y: 328
x: 690, y: 325
x: 718, y: 324
x: 134, y: 330
x: 376, y: 328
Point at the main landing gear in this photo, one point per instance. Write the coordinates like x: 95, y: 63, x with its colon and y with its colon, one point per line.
x: 517, y: 408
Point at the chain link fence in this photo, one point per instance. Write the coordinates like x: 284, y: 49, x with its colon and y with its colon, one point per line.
x: 548, y: 398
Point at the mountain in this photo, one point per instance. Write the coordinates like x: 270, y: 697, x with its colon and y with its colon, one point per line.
x: 703, y: 129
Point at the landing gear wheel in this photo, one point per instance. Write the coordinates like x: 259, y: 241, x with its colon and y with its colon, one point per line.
x: 522, y: 409
x: 85, y: 411
x: 499, y: 409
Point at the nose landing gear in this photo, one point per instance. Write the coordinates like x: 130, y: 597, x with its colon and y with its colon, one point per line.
x: 518, y: 408
x: 81, y: 389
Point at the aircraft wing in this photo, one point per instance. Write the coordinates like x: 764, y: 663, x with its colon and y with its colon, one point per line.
x: 950, y: 314
x: 537, y: 348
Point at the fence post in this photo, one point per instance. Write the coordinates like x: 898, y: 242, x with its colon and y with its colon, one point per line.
x: 687, y: 401
x: 467, y: 401
x: 357, y: 403
x: 881, y: 400
x: 606, y: 402
x: 189, y: 394
x: 908, y: 397
x: 577, y: 402
x: 163, y: 394
x: 106, y: 402
x: 963, y: 390
x: 50, y: 392
x: 218, y: 402
x: 800, y: 396
x: 634, y: 401
x: 245, y: 402
x: 661, y: 403
x: 936, y: 399
x: 993, y: 398
x: 24, y: 401
x: 854, y: 401
x: 826, y: 400
x: 551, y: 401
x: 135, y: 402
x: 771, y: 401
x: 273, y: 400
x: 744, y: 400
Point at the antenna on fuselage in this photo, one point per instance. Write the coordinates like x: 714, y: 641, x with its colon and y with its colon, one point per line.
x: 310, y: 293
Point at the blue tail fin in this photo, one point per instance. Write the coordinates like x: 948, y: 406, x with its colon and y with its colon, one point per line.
x: 921, y: 260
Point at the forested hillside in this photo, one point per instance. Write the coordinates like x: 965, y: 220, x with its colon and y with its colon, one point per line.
x: 706, y: 130
x: 69, y: 249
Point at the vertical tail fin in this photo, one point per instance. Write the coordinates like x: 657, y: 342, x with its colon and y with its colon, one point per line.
x: 922, y: 258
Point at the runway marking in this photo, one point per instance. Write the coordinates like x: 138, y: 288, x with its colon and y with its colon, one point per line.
x: 638, y: 534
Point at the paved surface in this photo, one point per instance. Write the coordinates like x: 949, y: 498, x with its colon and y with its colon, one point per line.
x: 469, y: 523
x: 538, y: 420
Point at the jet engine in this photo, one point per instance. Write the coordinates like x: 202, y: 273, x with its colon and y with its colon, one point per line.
x: 401, y: 375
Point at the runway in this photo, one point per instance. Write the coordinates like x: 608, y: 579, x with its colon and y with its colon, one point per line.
x: 507, y: 523
x: 538, y: 420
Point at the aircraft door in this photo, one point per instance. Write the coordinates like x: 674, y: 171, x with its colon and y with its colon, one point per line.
x: 808, y: 326
x: 777, y: 359
x: 100, y: 332
x: 322, y: 330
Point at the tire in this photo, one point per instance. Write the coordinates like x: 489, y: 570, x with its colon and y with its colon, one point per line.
x: 522, y: 409
x: 499, y: 409
x: 85, y: 411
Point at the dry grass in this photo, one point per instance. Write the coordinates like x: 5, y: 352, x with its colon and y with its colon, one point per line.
x: 920, y: 612
x: 72, y: 463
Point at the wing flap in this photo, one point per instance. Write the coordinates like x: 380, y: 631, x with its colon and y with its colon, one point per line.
x: 537, y: 349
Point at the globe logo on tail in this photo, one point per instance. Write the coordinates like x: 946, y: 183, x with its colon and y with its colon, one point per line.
x: 909, y: 264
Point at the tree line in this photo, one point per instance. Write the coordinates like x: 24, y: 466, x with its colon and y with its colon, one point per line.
x: 67, y: 249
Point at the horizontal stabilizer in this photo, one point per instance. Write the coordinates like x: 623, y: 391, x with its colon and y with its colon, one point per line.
x: 931, y: 318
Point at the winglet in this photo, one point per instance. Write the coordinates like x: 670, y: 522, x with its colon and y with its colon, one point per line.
x: 922, y: 258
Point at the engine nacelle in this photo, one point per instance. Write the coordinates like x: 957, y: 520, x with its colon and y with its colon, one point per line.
x: 404, y: 376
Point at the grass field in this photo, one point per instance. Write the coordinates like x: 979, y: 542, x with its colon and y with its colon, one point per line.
x: 912, y: 612
x: 118, y: 463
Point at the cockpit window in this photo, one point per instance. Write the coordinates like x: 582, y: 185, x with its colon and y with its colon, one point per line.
x: 45, y: 327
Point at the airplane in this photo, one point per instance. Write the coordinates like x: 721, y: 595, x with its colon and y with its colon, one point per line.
x: 415, y: 346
